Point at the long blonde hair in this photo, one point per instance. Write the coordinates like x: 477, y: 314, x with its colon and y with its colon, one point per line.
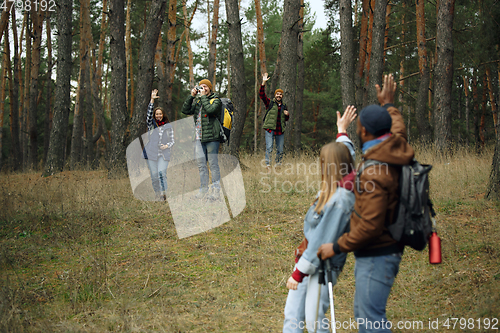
x: 336, y: 162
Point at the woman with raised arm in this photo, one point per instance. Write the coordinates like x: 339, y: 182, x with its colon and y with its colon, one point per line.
x: 157, y: 150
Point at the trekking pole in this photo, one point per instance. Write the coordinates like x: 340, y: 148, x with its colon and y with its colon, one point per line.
x: 321, y: 281
x: 330, y: 292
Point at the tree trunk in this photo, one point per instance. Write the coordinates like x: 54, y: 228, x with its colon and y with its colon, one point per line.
x: 161, y: 73
x: 118, y: 88
x: 213, y: 45
x: 188, y: 44
x: 4, y: 19
x: 288, y: 73
x: 2, y: 98
x: 377, y: 54
x: 423, y: 125
x: 493, y: 191
x: 145, y: 72
x: 256, y: 95
x: 14, y: 124
x: 299, y: 96
x: 130, y: 63
x: 443, y: 75
x: 368, y: 52
x: 467, y: 110
x: 492, y: 99
x: 78, y: 155
x: 57, y: 145
x: 238, y: 87
x: 475, y: 103
x: 386, y: 33
x: 263, y: 68
x: 37, y: 19
x: 26, y: 95
x: 482, y: 125
x: 363, y: 40
x: 347, y: 61
x: 171, y: 61
x: 424, y: 129
x: 48, y: 103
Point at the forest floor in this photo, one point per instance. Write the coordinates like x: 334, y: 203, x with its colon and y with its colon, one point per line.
x: 78, y: 253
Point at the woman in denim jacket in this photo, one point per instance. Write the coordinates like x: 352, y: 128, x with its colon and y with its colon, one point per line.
x: 157, y: 150
x: 327, y: 219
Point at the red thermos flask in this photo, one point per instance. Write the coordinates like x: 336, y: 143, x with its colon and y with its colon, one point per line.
x: 434, y: 249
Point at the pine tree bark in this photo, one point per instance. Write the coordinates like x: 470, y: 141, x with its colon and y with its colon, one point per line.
x: 14, y: 124
x: 4, y: 19
x: 299, y: 96
x: 238, y: 86
x: 118, y: 86
x: 37, y: 20
x: 48, y: 103
x: 377, y: 50
x: 423, y: 125
x: 130, y: 64
x: 188, y: 43
x: 443, y: 75
x: 493, y: 190
x: 79, y: 148
x: 263, y: 69
x: 57, y: 145
x: 212, y: 65
x: 2, y: 98
x: 171, y: 60
x: 288, y: 73
x: 145, y: 72
x: 26, y: 94
x: 493, y: 103
x: 363, y: 41
x: 347, y: 60
x: 467, y: 110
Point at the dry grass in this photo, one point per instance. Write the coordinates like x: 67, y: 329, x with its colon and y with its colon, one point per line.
x: 80, y: 254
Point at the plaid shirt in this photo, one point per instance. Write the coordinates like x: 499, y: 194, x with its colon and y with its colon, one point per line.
x: 150, y: 121
x: 263, y: 97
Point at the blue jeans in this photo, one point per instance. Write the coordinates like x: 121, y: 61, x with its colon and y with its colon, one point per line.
x: 374, y: 280
x: 280, y: 139
x: 301, y: 305
x: 207, y: 152
x: 158, y: 171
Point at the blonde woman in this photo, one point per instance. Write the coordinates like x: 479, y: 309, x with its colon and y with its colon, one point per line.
x: 326, y: 220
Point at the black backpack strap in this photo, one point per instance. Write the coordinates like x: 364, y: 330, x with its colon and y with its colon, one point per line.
x: 366, y: 164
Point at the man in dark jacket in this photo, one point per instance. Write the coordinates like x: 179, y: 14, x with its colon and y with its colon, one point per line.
x: 274, y: 122
x: 205, y: 105
x: 383, y: 135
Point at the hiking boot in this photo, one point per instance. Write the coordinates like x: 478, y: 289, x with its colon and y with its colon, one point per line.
x: 214, y: 195
x: 201, y: 194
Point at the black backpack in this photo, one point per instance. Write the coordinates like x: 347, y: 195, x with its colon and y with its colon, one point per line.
x: 412, y: 224
x: 226, y: 118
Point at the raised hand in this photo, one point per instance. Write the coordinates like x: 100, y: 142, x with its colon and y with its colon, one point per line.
x: 265, y: 77
x: 346, y: 119
x: 154, y: 95
x: 385, y: 94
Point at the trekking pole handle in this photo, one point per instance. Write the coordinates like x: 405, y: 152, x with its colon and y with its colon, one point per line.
x: 329, y: 271
x: 321, y: 272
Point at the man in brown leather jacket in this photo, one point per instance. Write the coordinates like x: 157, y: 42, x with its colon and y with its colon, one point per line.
x: 383, y: 135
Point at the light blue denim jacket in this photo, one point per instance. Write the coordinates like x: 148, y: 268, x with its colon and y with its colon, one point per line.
x: 327, y: 226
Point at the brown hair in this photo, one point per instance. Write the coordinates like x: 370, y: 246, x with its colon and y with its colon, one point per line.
x: 336, y: 162
x: 164, y: 115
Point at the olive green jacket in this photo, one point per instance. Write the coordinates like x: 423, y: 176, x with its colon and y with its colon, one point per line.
x: 271, y: 116
x: 210, y: 112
